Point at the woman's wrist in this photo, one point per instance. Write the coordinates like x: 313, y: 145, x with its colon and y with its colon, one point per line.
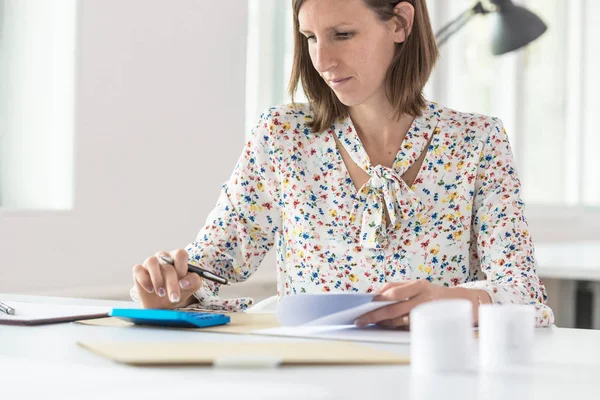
x: 475, y: 296
x: 187, y: 302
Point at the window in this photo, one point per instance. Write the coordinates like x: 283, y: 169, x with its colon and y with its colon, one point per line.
x: 37, y: 56
x: 537, y: 93
x: 270, y: 55
x: 590, y: 83
x: 545, y: 94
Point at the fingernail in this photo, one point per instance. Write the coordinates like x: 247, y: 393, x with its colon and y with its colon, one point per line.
x: 150, y: 289
x: 161, y: 292
x: 174, y: 297
x: 184, y: 283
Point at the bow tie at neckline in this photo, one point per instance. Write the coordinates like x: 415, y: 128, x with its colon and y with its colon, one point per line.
x: 380, y: 176
x: 386, y: 190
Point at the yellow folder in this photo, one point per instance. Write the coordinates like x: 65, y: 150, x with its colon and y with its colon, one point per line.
x: 234, y: 354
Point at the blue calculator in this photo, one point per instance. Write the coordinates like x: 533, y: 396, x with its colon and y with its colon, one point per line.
x: 169, y: 318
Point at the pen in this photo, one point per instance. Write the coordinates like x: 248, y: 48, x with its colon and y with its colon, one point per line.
x: 7, y: 309
x: 200, y: 271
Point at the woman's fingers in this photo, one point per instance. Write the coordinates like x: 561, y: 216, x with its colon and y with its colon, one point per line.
x: 389, y: 285
x: 173, y: 274
x: 180, y: 256
x: 142, y: 277
x: 401, y: 291
x: 389, y: 313
x: 396, y: 323
x: 170, y: 277
x: 191, y: 282
x: 156, y: 275
x: 165, y: 286
x: 171, y: 283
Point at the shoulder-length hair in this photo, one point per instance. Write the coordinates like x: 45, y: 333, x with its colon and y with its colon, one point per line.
x: 410, y: 69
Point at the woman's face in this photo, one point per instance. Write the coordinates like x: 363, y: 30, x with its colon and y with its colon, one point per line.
x: 350, y: 47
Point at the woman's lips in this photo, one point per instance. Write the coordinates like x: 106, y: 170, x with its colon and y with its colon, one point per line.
x: 338, y: 82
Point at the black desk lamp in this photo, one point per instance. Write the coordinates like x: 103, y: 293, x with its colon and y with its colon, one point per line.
x: 512, y: 27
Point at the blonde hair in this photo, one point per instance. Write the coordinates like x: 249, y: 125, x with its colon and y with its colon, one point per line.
x: 406, y: 77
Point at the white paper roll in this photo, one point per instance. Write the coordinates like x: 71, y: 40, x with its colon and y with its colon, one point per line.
x: 441, y: 337
x: 506, y: 335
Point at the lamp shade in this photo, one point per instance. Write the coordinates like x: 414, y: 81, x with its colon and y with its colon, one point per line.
x: 513, y: 27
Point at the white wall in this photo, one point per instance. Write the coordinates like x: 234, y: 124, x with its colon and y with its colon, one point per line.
x: 159, y: 126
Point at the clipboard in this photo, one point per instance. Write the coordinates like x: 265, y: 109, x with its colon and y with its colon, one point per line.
x: 30, y: 314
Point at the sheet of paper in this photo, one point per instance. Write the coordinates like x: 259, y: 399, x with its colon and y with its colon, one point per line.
x: 347, y: 317
x: 37, y: 313
x: 325, y: 308
x: 340, y: 332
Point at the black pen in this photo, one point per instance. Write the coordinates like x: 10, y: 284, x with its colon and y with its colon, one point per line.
x: 200, y: 271
x: 5, y: 308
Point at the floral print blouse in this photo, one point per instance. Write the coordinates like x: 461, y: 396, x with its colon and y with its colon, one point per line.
x: 461, y: 223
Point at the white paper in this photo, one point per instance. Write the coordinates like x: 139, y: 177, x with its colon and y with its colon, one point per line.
x: 331, y: 316
x: 341, y: 332
x: 37, y: 312
x: 325, y: 308
x: 347, y: 317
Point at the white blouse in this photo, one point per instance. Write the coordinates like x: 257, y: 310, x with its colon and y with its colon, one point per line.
x: 461, y: 223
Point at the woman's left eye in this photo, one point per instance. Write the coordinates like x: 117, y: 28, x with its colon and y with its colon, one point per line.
x: 344, y: 35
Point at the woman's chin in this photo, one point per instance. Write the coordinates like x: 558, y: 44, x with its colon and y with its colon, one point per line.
x: 348, y: 100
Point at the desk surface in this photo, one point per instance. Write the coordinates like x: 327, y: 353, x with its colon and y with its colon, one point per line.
x: 45, y: 361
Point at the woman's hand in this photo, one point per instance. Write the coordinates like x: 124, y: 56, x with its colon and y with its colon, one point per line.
x: 414, y: 293
x: 161, y: 285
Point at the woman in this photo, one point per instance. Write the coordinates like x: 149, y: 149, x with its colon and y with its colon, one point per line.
x: 369, y: 188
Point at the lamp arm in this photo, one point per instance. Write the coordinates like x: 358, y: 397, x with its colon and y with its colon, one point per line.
x: 453, y: 26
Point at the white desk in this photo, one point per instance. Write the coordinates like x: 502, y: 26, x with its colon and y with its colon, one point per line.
x: 45, y: 361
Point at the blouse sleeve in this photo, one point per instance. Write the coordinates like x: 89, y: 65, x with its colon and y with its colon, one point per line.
x: 241, y: 229
x: 504, y: 245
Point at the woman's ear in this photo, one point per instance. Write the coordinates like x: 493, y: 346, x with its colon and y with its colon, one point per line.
x: 405, y: 16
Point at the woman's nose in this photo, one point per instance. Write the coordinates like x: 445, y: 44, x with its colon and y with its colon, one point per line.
x: 324, y: 58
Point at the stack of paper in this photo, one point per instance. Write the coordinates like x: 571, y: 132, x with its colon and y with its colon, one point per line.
x: 325, y: 308
x: 331, y: 316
